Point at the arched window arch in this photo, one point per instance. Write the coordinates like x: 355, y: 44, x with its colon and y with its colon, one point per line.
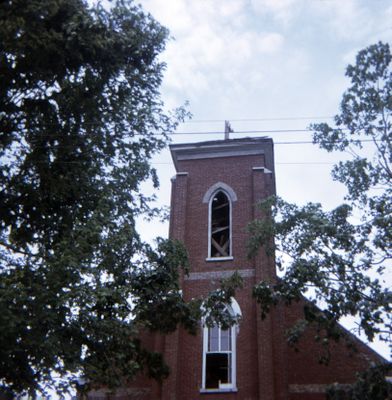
x: 220, y: 198
x: 220, y: 225
x: 219, y: 354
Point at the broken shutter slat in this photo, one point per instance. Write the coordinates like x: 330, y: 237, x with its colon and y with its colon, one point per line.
x: 223, y: 228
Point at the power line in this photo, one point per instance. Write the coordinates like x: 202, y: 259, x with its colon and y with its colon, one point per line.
x: 277, y: 163
x: 264, y: 131
x: 302, y: 142
x: 191, y: 121
x: 296, y: 142
x: 83, y: 135
x: 305, y: 163
x: 251, y: 131
x: 170, y: 163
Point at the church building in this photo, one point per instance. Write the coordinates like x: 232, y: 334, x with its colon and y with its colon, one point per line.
x: 214, y: 193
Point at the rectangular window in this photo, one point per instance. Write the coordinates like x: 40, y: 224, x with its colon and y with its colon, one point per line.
x: 218, y: 358
x: 219, y: 354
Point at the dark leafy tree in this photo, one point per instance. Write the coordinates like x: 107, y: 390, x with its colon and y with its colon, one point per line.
x: 340, y: 258
x: 80, y: 118
x: 370, y: 385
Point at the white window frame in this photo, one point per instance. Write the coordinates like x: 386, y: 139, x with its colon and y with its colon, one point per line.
x: 230, y: 256
x: 234, y: 310
x: 207, y: 199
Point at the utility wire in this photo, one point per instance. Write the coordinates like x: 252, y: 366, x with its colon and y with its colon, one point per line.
x: 170, y: 163
x: 83, y: 135
x: 275, y: 143
x: 296, y: 142
x: 264, y: 131
x: 251, y: 131
x: 277, y: 163
x: 191, y: 121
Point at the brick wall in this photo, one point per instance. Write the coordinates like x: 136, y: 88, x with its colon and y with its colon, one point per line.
x: 307, y: 375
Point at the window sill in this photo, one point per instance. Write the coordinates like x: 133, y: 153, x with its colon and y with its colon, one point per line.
x: 219, y: 259
x: 217, y: 390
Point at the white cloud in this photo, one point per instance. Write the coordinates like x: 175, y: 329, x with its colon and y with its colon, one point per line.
x: 348, y: 19
x: 349, y: 57
x: 214, y: 44
x: 343, y: 19
x: 277, y: 51
x: 281, y: 10
x: 174, y: 14
x: 270, y: 42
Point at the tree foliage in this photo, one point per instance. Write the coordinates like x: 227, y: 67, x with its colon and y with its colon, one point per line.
x: 339, y: 258
x: 80, y: 118
x: 370, y: 385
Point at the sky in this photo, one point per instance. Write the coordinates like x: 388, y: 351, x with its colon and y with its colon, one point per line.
x: 265, y: 66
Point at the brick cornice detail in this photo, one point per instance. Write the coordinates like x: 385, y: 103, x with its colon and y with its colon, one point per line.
x: 198, y: 276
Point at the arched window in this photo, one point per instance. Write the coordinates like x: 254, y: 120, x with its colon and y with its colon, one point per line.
x: 220, y: 198
x: 220, y: 225
x: 219, y: 355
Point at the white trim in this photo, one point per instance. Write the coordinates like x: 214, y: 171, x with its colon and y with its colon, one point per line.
x: 205, y: 344
x: 220, y: 148
x: 265, y: 170
x: 234, y: 310
x: 233, y: 389
x: 219, y: 186
x: 216, y: 259
x: 229, y: 197
x: 232, y: 360
x: 235, y: 307
x: 234, y: 332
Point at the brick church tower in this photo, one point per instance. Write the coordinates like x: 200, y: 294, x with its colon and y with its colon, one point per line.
x: 214, y: 194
